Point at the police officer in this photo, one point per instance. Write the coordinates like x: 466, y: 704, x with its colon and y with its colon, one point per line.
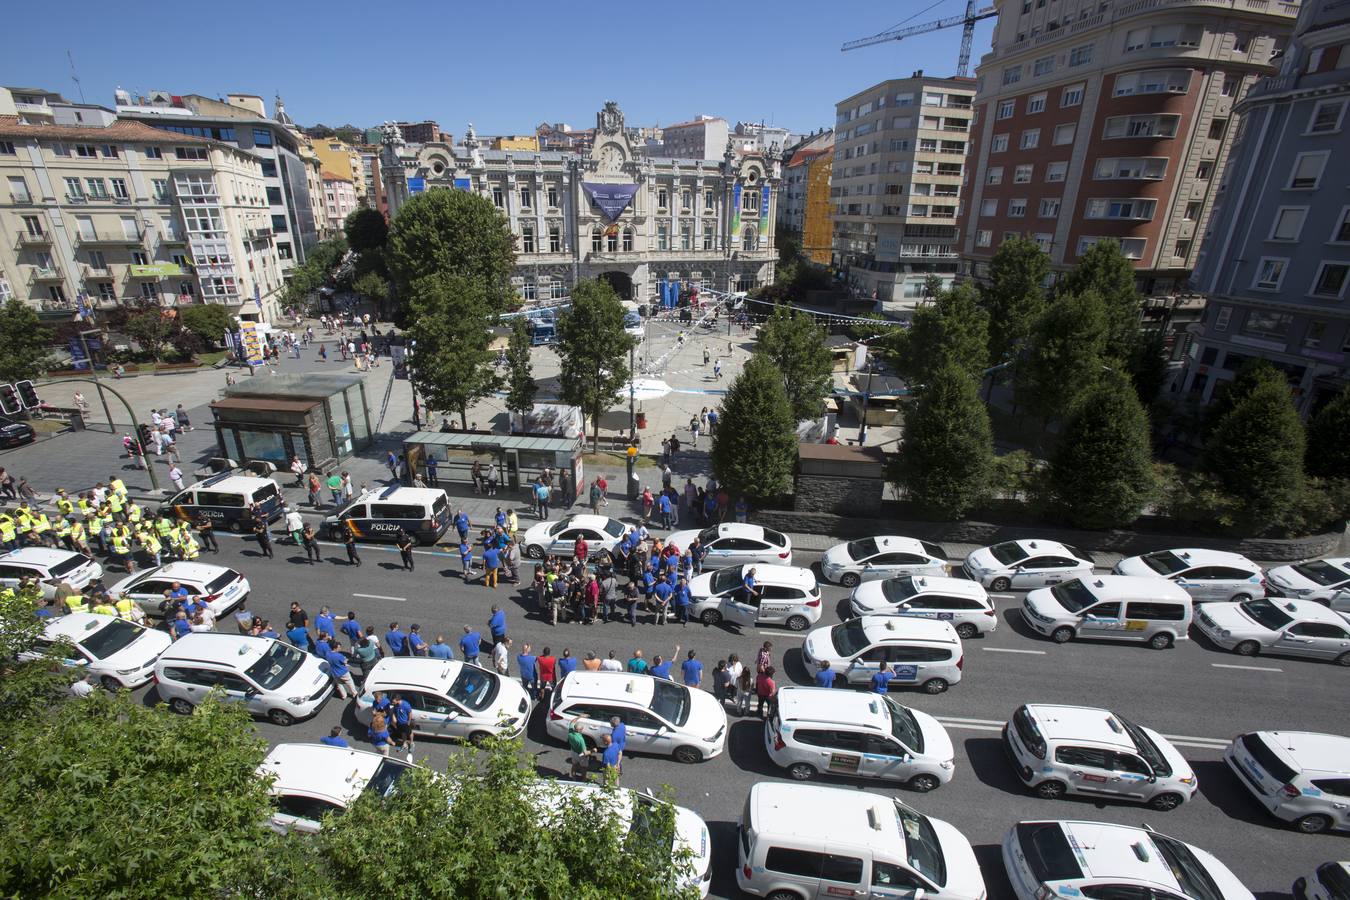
x: 206, y: 530
x: 404, y: 542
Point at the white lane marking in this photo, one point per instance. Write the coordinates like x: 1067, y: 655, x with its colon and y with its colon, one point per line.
x: 974, y: 726
x: 1181, y: 740
x: 1004, y: 596
x: 1248, y: 668
x: 1012, y: 650
x: 381, y: 597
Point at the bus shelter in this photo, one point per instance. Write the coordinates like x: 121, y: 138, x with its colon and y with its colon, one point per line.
x: 520, y: 459
x: 323, y: 419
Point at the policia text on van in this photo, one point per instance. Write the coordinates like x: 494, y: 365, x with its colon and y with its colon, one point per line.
x: 380, y: 515
x: 226, y: 500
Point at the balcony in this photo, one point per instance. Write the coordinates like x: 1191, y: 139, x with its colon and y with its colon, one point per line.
x: 258, y: 232
x: 27, y: 239
x: 173, y: 240
x: 110, y: 239
x: 92, y: 272
x: 46, y: 274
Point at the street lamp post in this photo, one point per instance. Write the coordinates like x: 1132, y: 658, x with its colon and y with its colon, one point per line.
x: 149, y: 468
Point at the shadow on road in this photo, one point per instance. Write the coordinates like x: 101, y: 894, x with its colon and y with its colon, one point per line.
x: 1222, y: 789
x: 996, y: 884
x: 989, y: 763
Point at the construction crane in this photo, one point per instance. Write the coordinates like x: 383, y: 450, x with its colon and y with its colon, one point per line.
x: 966, y: 21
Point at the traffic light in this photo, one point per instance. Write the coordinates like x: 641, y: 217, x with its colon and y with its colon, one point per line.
x: 9, y: 400
x: 28, y: 394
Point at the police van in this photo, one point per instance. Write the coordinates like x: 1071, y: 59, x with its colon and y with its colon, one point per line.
x: 381, y: 514
x: 225, y: 500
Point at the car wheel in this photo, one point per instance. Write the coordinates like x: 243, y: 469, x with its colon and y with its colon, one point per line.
x: 802, y: 771
x: 797, y: 623
x: 1051, y: 790
x: 784, y: 895
x: 478, y: 738
x: 1343, y: 659
x: 687, y: 754
x: 1062, y: 635
x: 710, y: 617
x: 849, y: 579
x: 180, y: 706
x: 534, y: 551
x: 935, y: 686
x: 1165, y: 802
x: 923, y: 783
x: 1247, y: 648
x: 1240, y: 598
x: 280, y: 717
x: 110, y: 684
x: 1160, y: 641
x: 965, y: 631
x: 1000, y: 585
x: 236, y: 527
x: 335, y: 534
x: 1314, y: 824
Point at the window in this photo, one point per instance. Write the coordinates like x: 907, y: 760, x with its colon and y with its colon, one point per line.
x: 1022, y: 174
x: 33, y: 225
x: 1130, y: 248
x: 269, y: 168
x: 1140, y: 126
x: 6, y: 148
x: 197, y: 153
x: 597, y: 240
x: 1182, y: 249
x: 1012, y: 75
x: 526, y: 198
x: 994, y: 175
x: 750, y: 200
x: 1326, y: 117
x: 98, y: 189
x: 97, y: 260
x: 1341, y: 233
x: 1043, y: 66
x: 161, y: 188
x: 74, y: 190
x: 1043, y: 241
x: 708, y: 200
x: 18, y: 189
x: 1120, y: 209
x: 554, y: 239
x: 1036, y: 103
x: 1240, y: 43
x: 1049, y: 208
x: 1230, y: 86
x: 1269, y: 273
x: 1267, y: 324
x: 989, y: 207
x: 1080, y: 56
x: 86, y: 150
x: 1221, y: 319
x: 1330, y: 280
x: 527, y: 239
x: 1005, y: 109
x: 279, y: 224
x: 529, y: 291
x: 1146, y: 168
x: 498, y: 197
x: 803, y: 863
x: 662, y: 198
x: 552, y: 196
x: 709, y: 235
x: 686, y: 200
x: 262, y: 137
x: 119, y: 189
x: 984, y: 238
x: 57, y: 293
x: 999, y: 144
x: 274, y: 196
x: 1017, y: 208
x: 662, y: 237
x: 1056, y: 171
x: 1288, y: 223
x: 1031, y: 138
x: 1307, y: 174
x: 1192, y: 213
x: 1064, y: 133
x: 686, y: 237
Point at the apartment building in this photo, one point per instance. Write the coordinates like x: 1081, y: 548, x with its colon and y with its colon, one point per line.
x: 121, y: 213
x: 704, y: 137
x: 804, y: 205
x: 424, y: 132
x: 340, y: 158
x: 1100, y: 119
x: 242, y: 120
x: 340, y: 199
x: 899, y: 163
x: 1275, y: 262
x: 515, y: 142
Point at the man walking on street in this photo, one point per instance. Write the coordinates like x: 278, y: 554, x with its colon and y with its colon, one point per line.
x: 497, y: 624
x: 501, y: 657
x: 340, y: 673
x: 311, y: 542
x: 404, y: 542
x: 541, y: 499
x: 349, y: 541
x: 264, y: 537
x: 469, y: 645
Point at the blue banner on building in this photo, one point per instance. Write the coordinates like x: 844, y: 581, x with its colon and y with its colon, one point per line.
x: 463, y: 184
x: 612, y: 199
x: 417, y: 185
x: 764, y: 211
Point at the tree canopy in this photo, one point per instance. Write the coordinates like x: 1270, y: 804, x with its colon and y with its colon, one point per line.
x: 209, y: 321
x: 366, y: 230
x: 450, y: 322
x: 1065, y: 354
x: 25, y: 341
x: 1014, y: 295
x: 520, y: 386
x: 1104, y: 270
x: 1328, y: 453
x: 946, y: 460
x: 796, y: 345
x: 593, y: 349
x: 754, y: 448
x: 953, y: 328
x: 453, y: 232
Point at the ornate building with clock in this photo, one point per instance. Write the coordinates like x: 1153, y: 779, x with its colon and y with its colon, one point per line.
x: 637, y: 221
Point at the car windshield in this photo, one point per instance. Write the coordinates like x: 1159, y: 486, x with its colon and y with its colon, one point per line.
x: 277, y: 665
x: 1008, y: 552
x: 557, y: 529
x: 1073, y: 595
x: 849, y: 638
x: 1165, y: 562
x: 650, y: 824
x: 1266, y: 614
x: 614, y: 528
x: 863, y: 549
x: 1336, y: 880
x: 904, y: 726
x: 1147, y: 749
x: 109, y: 639
x: 474, y: 688
x: 726, y: 580
x: 777, y: 538
x: 897, y: 590
x: 707, y: 535
x: 265, y: 493
x: 922, y: 848
x: 1189, y: 872
x: 1319, y: 571
x: 670, y: 701
x: 221, y: 581
x: 386, y: 777
x: 66, y: 566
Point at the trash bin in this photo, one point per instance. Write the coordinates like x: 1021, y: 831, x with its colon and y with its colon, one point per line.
x: 76, y: 420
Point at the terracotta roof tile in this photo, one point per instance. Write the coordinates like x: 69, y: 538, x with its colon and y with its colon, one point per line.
x: 333, y: 176
x: 121, y: 130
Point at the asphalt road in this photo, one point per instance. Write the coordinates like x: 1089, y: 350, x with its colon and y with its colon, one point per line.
x: 1197, y: 694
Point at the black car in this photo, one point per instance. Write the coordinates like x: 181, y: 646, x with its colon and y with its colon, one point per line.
x: 15, y: 434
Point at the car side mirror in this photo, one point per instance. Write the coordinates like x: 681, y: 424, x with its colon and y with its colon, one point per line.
x: 251, y: 693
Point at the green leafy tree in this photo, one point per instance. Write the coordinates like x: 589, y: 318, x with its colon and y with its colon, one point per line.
x: 26, y: 343
x: 1014, y: 295
x: 301, y: 284
x: 520, y: 386
x: 1104, y: 270
x: 106, y: 797
x: 946, y: 460
x: 796, y: 346
x: 1328, y: 454
x: 450, y: 321
x: 593, y: 350
x: 366, y: 231
x: 373, y: 287
x: 208, y: 321
x: 754, y: 448
x: 953, y: 328
x: 1147, y: 364
x: 1255, y: 450
x: 453, y: 232
x: 1228, y: 395
x: 151, y: 330
x: 1065, y: 355
x: 1102, y: 473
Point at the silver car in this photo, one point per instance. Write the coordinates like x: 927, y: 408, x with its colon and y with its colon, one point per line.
x: 1278, y: 626
x: 885, y: 556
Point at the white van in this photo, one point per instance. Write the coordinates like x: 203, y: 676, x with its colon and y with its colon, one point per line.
x: 803, y: 841
x: 270, y: 678
x: 226, y: 500
x: 380, y: 515
x: 1299, y: 777
x: 1111, y: 608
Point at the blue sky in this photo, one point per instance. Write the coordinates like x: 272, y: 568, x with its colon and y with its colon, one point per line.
x: 505, y: 66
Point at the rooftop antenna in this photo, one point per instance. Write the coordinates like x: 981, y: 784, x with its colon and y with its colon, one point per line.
x: 74, y: 76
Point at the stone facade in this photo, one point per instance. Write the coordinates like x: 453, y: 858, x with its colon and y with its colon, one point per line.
x: 832, y: 478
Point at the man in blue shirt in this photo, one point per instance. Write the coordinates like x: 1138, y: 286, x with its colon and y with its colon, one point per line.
x: 352, y: 627
x: 335, y: 738
x: 469, y: 644
x: 397, y: 640
x: 637, y: 665
x: 661, y: 667
x: 567, y: 663
x: 618, y: 732
x: 682, y: 601
x: 492, y: 561
x: 662, y: 593
x: 529, y: 671
x: 824, y: 674
x: 268, y: 631
x: 440, y: 649
x: 340, y: 673
x: 693, y: 671
x: 417, y: 645
x: 610, y: 758
x: 500, y: 518
x: 324, y: 622
x: 882, y: 680
x: 322, y: 647
x: 298, y: 635
x: 466, y: 559
x: 497, y: 625
x: 182, y: 626
x: 663, y: 504
x: 402, y: 722
x: 749, y: 592
x: 462, y: 526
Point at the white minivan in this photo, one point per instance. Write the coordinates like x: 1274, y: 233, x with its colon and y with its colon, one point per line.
x: 804, y: 841
x: 270, y: 678
x: 1111, y: 608
x: 1299, y: 777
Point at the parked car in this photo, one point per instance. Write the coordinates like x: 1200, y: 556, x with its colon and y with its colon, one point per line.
x: 1204, y: 574
x: 1279, y: 626
x: 962, y: 602
x: 736, y: 543
x: 15, y: 434
x: 1023, y: 565
x: 559, y: 538
x: 1316, y: 579
x: 885, y: 556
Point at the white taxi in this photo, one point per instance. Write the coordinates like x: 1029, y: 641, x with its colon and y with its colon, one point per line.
x: 787, y: 595
x: 737, y: 543
x: 921, y: 653
x: 1099, y: 859
x: 1329, y: 881
x: 50, y: 567
x: 218, y: 587
x: 310, y: 781
x: 119, y: 653
x: 885, y: 556
x: 1204, y: 574
x: 1023, y: 565
x: 1316, y: 579
x: 957, y: 600
x: 559, y: 538
x: 1279, y: 626
x: 449, y: 698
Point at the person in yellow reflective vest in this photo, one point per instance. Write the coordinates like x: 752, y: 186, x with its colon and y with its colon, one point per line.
x: 103, y: 606
x: 85, y: 504
x: 187, y: 542
x: 78, y: 541
x: 77, y: 602
x: 95, y: 525
x: 134, y: 513
x: 23, y: 522
x: 62, y: 531
x: 63, y: 504
x: 42, y: 527
x: 116, y: 506
x: 129, y: 609
x: 121, y: 547
x: 151, y: 545
x: 164, y: 525
x: 171, y: 545
x: 116, y: 486
x: 9, y: 535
